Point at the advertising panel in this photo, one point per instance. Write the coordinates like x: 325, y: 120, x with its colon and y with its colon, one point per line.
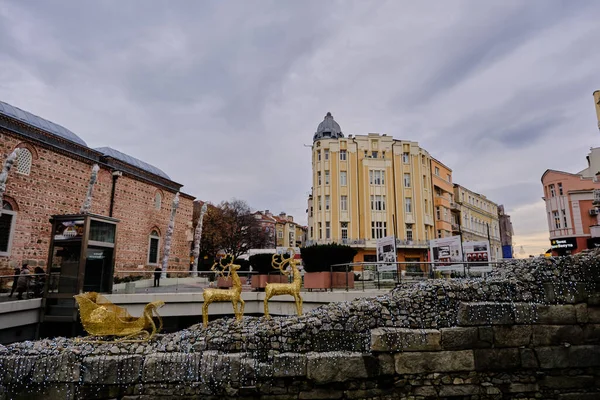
x: 446, y: 253
x: 386, y: 253
x: 477, y: 252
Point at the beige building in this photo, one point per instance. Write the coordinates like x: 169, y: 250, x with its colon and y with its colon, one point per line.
x: 476, y: 218
x: 370, y: 186
x: 443, y: 198
x: 289, y: 233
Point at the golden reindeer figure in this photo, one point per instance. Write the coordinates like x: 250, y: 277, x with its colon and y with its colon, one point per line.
x: 233, y: 294
x: 278, y: 289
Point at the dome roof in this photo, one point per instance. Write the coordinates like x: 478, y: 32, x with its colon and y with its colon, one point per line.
x: 328, y: 129
x: 40, y: 123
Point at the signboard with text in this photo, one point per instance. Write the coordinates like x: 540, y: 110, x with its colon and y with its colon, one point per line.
x: 446, y: 253
x: 386, y: 253
x: 563, y: 244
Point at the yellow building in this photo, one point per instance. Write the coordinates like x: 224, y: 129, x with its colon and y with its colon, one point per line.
x: 367, y: 187
x: 289, y: 233
x: 476, y: 218
x: 443, y: 198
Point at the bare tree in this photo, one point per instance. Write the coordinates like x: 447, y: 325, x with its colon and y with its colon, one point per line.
x: 233, y: 228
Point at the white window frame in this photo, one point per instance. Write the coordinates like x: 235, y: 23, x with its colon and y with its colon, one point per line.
x: 406, y: 180
x: 327, y: 202
x: 343, y: 178
x: 150, y: 237
x: 326, y: 154
x: 318, y: 178
x: 344, y: 230
x: 405, y: 158
x: 344, y: 203
x: 408, y: 205
x: 327, y: 177
x: 327, y: 230
x: 11, y: 233
x: 342, y: 155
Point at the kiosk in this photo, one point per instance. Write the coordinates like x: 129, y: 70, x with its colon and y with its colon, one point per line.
x: 81, y: 259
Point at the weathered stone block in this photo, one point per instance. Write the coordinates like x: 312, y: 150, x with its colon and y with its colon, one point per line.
x: 512, y: 335
x: 528, y: 359
x: 485, y: 313
x: 461, y: 338
x: 171, y: 367
x: 425, y: 391
x: 525, y: 313
x: 18, y: 369
x: 593, y: 315
x: 567, y: 382
x: 233, y: 367
x: 591, y: 333
x: 516, y: 387
x: 459, y: 390
x: 386, y: 364
x: 496, y: 359
x: 556, y: 314
x: 60, y: 368
x: 441, y: 361
x: 321, y: 394
x: 111, y: 370
x: 401, y: 339
x: 339, y: 366
x: 581, y: 313
x: 584, y: 356
x: 282, y: 365
x: 548, y: 335
x: 553, y: 357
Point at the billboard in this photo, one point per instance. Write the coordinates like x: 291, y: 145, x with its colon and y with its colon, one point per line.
x: 477, y: 252
x: 386, y: 253
x: 446, y: 253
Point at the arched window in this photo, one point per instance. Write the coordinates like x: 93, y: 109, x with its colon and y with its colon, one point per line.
x: 153, y: 246
x: 157, y: 200
x: 23, y: 162
x: 7, y: 228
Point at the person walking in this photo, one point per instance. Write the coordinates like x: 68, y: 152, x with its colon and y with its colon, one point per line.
x: 16, y: 272
x: 23, y: 281
x: 39, y: 281
x: 157, y: 273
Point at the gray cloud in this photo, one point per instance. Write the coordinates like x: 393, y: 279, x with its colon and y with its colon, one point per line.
x: 223, y: 95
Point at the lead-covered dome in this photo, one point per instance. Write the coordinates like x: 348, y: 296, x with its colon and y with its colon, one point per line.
x: 328, y: 129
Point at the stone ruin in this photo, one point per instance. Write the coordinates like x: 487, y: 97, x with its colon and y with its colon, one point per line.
x: 529, y: 330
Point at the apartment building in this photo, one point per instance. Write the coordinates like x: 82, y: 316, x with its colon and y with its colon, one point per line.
x: 443, y: 198
x: 367, y: 187
x: 572, y: 203
x: 475, y: 217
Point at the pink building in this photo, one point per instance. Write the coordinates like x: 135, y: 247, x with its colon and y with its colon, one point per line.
x: 572, y: 207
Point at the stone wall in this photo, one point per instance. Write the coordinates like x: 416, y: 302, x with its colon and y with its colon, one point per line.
x: 532, y: 330
x: 58, y: 184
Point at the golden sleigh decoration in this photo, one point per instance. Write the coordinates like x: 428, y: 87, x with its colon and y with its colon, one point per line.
x: 100, y: 317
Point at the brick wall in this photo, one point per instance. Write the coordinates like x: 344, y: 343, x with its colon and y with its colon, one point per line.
x: 58, y: 184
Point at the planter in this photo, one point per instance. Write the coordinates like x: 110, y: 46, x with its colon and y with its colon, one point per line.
x: 260, y: 281
x: 318, y: 280
x: 338, y: 280
x: 224, y: 283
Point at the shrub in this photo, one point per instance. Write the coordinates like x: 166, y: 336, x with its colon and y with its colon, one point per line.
x: 320, y: 258
x: 244, y: 264
x: 261, y: 263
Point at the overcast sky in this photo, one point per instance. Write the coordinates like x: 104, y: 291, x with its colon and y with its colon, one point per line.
x: 223, y: 95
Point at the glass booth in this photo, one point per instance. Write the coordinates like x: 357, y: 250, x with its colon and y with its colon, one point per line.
x: 81, y: 259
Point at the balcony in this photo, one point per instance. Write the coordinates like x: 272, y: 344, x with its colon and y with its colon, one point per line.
x: 349, y: 242
x: 454, y: 206
x: 455, y: 228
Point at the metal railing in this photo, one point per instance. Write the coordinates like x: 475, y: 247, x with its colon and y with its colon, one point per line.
x: 11, y: 290
x: 381, y: 275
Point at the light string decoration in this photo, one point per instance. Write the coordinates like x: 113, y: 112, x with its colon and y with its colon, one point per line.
x: 227, y: 354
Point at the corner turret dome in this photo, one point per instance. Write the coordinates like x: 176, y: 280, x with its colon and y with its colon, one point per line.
x: 328, y: 129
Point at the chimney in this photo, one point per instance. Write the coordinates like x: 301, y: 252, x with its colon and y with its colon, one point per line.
x: 597, y: 105
x: 282, y: 215
x: 290, y: 218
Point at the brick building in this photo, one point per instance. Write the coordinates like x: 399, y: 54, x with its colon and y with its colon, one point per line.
x: 51, y: 176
